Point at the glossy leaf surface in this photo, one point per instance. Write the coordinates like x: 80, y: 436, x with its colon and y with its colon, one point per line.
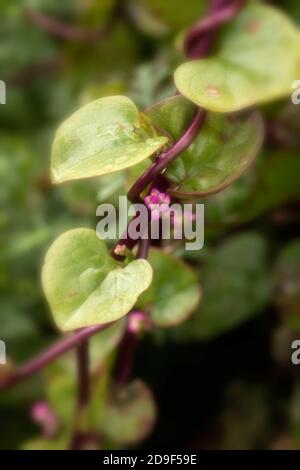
x: 222, y: 152
x: 257, y: 60
x: 84, y: 285
x: 102, y: 137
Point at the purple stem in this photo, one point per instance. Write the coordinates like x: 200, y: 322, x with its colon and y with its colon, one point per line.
x: 51, y: 354
x: 127, y: 348
x: 83, y: 390
x: 125, y: 359
x: 124, y: 241
x: 129, y: 341
x: 144, y: 245
x: 136, y: 323
x: 167, y: 157
x: 220, y: 12
x: 200, y: 37
x: 82, y: 353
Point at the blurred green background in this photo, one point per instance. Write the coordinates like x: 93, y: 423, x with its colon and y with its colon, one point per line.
x: 224, y: 379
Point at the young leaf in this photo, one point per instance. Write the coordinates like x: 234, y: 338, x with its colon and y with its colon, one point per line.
x: 171, y: 297
x: 85, y: 286
x: 257, y: 60
x: 102, y: 137
x: 130, y: 413
x: 225, y: 148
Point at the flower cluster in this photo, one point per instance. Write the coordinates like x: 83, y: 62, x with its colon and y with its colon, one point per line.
x: 158, y: 203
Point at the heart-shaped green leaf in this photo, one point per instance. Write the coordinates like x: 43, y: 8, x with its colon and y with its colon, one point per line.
x: 85, y: 286
x: 257, y: 60
x: 224, y: 149
x: 129, y: 414
x: 174, y: 292
x: 102, y: 137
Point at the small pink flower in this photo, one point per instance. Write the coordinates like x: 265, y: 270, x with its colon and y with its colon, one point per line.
x: 138, y: 321
x: 42, y: 414
x: 158, y: 203
x: 165, y: 198
x: 120, y: 250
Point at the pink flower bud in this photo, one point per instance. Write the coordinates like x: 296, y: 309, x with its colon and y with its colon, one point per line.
x: 158, y: 203
x: 42, y: 414
x: 138, y: 321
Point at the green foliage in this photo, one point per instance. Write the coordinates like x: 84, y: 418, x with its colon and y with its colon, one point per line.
x: 40, y: 443
x: 248, y: 269
x: 277, y: 182
x: 130, y: 413
x: 235, y: 287
x: 102, y: 137
x: 13, y: 54
x: 256, y: 61
x: 158, y: 18
x: 170, y: 299
x: 85, y: 286
x: 60, y: 381
x: 223, y: 150
x: 271, y: 182
x: 124, y: 414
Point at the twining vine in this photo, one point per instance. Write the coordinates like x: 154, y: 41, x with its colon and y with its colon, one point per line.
x: 152, y: 186
x: 221, y: 11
